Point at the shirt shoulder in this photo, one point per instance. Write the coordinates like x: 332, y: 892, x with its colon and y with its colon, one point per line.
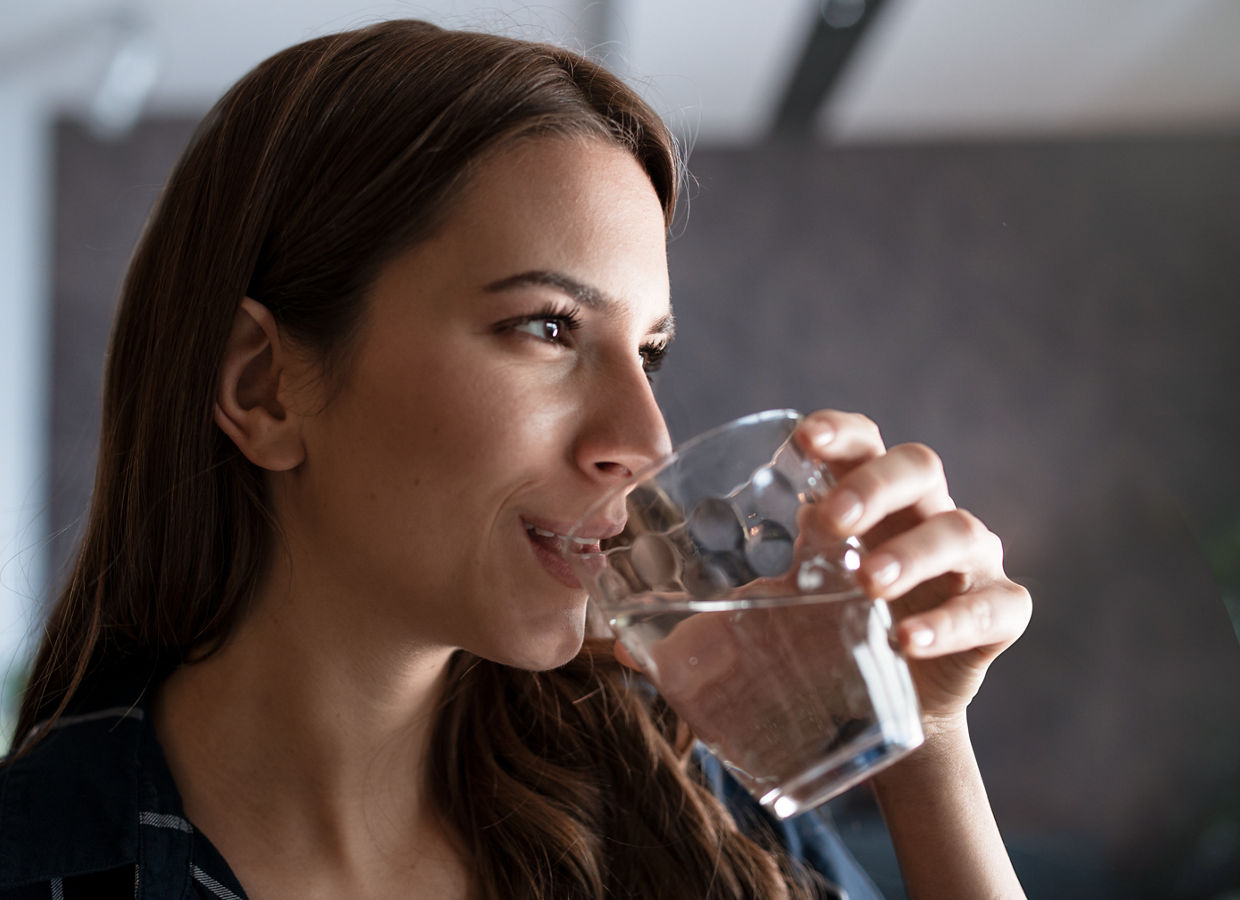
x: 70, y: 805
x: 92, y: 811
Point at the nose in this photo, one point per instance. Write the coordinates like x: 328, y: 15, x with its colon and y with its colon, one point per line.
x: 623, y: 430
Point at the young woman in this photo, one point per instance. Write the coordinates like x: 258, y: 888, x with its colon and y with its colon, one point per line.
x: 390, y: 325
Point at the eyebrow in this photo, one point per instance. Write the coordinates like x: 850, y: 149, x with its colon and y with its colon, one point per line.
x: 588, y: 296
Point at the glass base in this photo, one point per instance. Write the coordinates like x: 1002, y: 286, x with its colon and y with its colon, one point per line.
x: 836, y: 773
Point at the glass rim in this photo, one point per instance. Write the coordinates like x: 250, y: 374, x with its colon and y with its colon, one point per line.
x: 663, y: 462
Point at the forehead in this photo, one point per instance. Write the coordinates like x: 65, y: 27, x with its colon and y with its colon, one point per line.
x: 583, y: 207
x: 582, y: 170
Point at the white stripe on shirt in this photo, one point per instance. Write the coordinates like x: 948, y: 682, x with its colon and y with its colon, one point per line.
x: 214, y: 886
x: 165, y: 820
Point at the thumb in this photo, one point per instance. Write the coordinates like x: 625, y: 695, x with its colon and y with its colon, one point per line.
x: 624, y: 657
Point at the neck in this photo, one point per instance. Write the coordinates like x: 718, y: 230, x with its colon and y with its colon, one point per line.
x: 306, y: 737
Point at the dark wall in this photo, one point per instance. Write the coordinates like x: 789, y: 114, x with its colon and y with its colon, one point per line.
x: 1059, y: 321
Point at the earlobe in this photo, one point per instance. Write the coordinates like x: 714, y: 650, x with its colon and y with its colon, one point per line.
x: 249, y: 403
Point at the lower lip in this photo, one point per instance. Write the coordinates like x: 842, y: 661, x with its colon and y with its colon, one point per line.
x: 555, y: 564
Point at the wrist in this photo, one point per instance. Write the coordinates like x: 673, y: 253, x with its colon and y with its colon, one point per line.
x: 945, y: 729
x: 947, y: 749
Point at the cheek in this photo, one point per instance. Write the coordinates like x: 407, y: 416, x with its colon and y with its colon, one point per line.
x: 458, y: 435
x: 483, y: 411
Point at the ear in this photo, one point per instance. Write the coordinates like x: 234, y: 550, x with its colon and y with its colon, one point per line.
x: 249, y: 402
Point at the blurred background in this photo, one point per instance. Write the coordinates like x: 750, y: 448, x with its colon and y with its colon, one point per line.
x: 1007, y: 228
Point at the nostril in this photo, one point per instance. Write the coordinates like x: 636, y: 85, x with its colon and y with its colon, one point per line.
x: 614, y: 468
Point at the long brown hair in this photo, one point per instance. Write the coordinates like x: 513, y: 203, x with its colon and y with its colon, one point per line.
x: 312, y: 172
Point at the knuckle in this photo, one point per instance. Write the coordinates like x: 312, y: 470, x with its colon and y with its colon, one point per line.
x: 989, y: 544
x: 923, y: 457
x: 1024, y: 600
x: 969, y: 526
x: 866, y: 424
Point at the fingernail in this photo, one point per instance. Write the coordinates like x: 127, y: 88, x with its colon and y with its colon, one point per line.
x: 823, y: 435
x: 882, y: 569
x: 844, y: 507
x: 922, y: 637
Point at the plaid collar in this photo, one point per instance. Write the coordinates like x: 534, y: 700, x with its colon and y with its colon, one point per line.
x: 93, y: 811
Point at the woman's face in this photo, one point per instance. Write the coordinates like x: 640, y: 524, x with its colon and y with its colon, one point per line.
x: 499, y: 387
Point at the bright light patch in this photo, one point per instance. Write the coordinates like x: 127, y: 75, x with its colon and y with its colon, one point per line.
x: 785, y: 807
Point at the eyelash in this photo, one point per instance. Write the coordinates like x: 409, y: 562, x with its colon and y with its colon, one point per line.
x: 652, y: 357
x: 569, y: 320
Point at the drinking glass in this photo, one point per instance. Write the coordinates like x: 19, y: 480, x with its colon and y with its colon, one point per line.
x: 748, y: 619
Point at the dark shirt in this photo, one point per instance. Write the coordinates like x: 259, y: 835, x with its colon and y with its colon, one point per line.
x: 92, y: 812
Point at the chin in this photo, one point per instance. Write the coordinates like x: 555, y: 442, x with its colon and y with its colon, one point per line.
x: 547, y: 645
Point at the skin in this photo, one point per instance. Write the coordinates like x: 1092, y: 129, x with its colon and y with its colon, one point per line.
x: 404, y: 494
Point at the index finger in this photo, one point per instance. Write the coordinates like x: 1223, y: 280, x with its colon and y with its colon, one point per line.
x: 842, y: 440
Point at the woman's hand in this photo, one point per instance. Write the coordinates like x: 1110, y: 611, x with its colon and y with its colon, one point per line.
x: 939, y: 566
x: 955, y: 610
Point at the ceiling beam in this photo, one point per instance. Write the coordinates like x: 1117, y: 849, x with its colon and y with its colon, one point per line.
x: 837, y: 32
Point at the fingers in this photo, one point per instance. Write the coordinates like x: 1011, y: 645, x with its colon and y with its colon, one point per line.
x: 909, y: 476
x: 990, y: 617
x: 842, y: 440
x: 897, y: 500
x: 954, y: 541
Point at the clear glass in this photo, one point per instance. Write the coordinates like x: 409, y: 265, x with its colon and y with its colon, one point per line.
x: 748, y: 621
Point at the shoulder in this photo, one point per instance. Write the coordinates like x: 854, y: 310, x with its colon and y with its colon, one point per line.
x: 91, y: 810
x: 70, y: 805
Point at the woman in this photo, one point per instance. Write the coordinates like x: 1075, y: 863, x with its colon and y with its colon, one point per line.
x: 390, y: 326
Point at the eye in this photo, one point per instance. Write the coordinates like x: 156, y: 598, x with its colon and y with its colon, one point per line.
x: 552, y: 325
x: 652, y: 357
x: 547, y: 328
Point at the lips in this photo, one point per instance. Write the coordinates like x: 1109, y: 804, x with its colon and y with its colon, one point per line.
x: 551, y: 546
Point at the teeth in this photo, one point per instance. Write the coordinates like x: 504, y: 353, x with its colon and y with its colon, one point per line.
x: 580, y: 542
